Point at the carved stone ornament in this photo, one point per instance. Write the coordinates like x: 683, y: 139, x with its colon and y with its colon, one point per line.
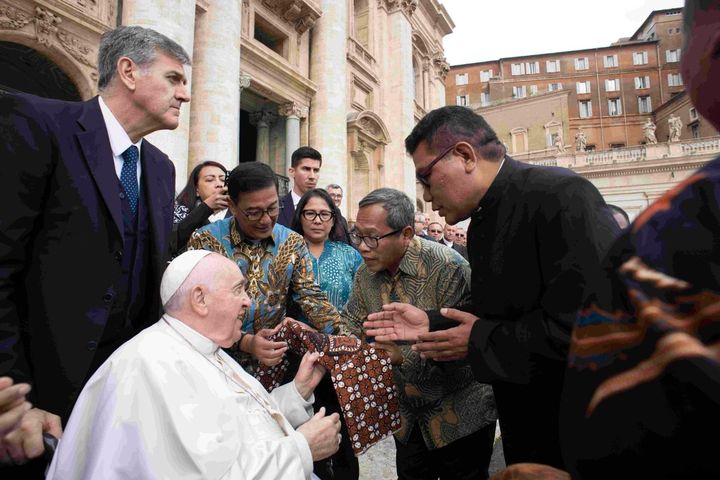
x: 45, y: 26
x: 245, y: 81
x: 13, y: 19
x: 293, y: 109
x: 262, y: 118
x: 441, y: 65
x: 304, y: 24
x: 75, y: 48
x: 407, y: 6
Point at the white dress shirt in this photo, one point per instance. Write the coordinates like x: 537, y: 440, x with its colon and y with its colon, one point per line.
x: 119, y: 139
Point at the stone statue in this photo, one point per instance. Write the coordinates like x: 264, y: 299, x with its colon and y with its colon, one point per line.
x: 649, y: 132
x: 559, y: 143
x: 675, y: 125
x: 580, y: 141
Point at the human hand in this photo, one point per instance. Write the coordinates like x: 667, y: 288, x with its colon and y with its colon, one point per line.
x: 309, y: 374
x: 450, y: 344
x: 26, y: 442
x: 397, y: 321
x: 322, y: 434
x: 218, y: 200
x: 266, y: 351
x: 396, y: 356
x: 302, y: 325
x: 12, y: 404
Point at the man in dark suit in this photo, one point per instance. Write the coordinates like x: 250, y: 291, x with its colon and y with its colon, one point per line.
x: 87, y: 212
x: 305, y: 164
x: 421, y: 222
x: 537, y: 235
x: 448, y: 240
x: 342, y: 230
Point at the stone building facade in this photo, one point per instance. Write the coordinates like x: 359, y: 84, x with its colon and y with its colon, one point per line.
x: 348, y: 77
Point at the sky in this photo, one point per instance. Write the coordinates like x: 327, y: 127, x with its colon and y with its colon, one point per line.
x: 492, y: 29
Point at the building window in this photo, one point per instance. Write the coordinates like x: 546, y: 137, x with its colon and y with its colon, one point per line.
x: 360, y: 25
x: 533, y: 90
x: 610, y: 61
x: 552, y: 66
x: 695, y: 129
x: 613, y: 146
x: 672, y: 55
x: 519, y: 92
x: 582, y: 87
x: 484, y: 99
x: 485, y: 75
x: 644, y: 104
x: 532, y: 67
x: 517, y: 69
x: 462, y: 100
x: 614, y: 107
x: 270, y: 36
x: 640, y: 58
x: 461, y: 79
x: 642, y: 82
x: 674, y: 80
x: 554, y: 87
x: 585, y: 108
x: 693, y: 114
x: 612, y: 85
x: 581, y: 63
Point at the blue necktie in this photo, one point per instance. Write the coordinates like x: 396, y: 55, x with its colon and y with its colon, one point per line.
x: 128, y: 176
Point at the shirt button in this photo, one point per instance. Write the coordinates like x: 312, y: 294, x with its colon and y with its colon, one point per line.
x: 119, y: 255
x: 91, y: 345
x: 122, y: 194
x: 107, y: 298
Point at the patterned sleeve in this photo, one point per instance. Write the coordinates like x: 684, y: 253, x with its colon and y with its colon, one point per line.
x: 204, y: 240
x: 181, y: 211
x: 355, y: 311
x: 307, y: 294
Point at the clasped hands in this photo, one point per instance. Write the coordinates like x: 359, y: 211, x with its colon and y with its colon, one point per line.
x: 401, y: 321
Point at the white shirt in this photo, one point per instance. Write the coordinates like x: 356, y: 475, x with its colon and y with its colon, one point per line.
x: 447, y: 242
x: 295, y: 198
x: 161, y: 407
x: 119, y: 139
x: 217, y: 216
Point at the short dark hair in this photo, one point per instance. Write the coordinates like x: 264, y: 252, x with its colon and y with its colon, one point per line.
x: 319, y: 193
x: 250, y: 177
x: 187, y: 195
x: 447, y: 125
x: 304, y: 152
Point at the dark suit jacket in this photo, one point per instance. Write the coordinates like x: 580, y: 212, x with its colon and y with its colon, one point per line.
x: 538, y: 235
x: 61, y: 241
x: 288, y: 210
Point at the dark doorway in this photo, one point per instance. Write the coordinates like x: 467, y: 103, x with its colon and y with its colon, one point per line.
x: 248, y: 138
x: 23, y: 69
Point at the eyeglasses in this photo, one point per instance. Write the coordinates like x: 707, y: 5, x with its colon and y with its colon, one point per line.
x: 423, y: 176
x: 371, y: 242
x: 435, y: 231
x: 311, y: 215
x: 256, y: 214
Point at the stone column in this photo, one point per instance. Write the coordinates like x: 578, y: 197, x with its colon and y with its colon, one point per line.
x: 176, y: 19
x: 292, y: 113
x: 262, y: 121
x: 328, y: 110
x: 214, y: 116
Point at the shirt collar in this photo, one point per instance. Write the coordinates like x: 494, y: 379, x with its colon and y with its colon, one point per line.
x: 295, y: 198
x: 495, y: 192
x: 119, y: 139
x: 237, y: 236
x: 199, y: 341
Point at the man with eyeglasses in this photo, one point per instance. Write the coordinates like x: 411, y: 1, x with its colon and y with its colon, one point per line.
x: 274, y: 259
x: 342, y: 231
x: 448, y: 419
x: 435, y: 230
x: 538, y: 234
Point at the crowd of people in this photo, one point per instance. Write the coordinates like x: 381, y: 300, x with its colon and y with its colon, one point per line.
x: 591, y: 340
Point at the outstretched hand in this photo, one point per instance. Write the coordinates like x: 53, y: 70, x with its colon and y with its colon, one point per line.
x: 265, y: 350
x: 309, y: 374
x: 397, y: 321
x: 450, y: 344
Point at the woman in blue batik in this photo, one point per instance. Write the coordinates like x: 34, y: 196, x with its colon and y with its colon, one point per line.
x: 334, y: 262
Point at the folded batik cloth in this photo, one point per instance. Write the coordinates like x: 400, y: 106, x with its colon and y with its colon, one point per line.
x: 362, y: 377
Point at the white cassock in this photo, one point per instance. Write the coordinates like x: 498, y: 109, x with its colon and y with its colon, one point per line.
x: 156, y: 409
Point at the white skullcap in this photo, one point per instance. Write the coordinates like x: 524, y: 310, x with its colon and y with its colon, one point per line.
x: 178, y: 271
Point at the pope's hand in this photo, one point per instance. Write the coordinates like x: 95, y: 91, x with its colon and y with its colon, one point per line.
x: 397, y: 321
x: 26, y: 442
x: 309, y: 374
x: 265, y: 350
x: 450, y: 344
x: 322, y: 434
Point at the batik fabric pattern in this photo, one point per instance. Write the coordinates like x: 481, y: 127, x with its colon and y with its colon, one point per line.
x: 642, y: 388
x: 442, y: 398
x: 362, y: 378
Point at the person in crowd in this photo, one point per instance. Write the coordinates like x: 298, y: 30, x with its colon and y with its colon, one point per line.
x: 642, y: 389
x: 79, y: 181
x: 342, y: 230
x: 203, y: 200
x: 447, y: 418
x: 435, y: 230
x: 449, y: 240
x: 538, y: 234
x: 170, y: 403
x: 305, y: 164
x: 620, y: 216
x: 460, y: 236
x: 420, y: 227
x: 276, y: 260
x: 334, y: 265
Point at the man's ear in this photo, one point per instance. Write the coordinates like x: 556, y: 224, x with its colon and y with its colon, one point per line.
x: 198, y: 302
x: 291, y: 172
x: 127, y: 72
x: 467, y: 152
x: 408, y: 232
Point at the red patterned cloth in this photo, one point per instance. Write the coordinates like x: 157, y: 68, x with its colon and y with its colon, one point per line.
x: 361, y: 375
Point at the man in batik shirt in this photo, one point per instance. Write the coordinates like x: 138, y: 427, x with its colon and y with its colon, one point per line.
x: 448, y: 419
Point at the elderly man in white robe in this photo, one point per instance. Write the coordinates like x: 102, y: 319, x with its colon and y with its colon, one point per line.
x: 171, y: 404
